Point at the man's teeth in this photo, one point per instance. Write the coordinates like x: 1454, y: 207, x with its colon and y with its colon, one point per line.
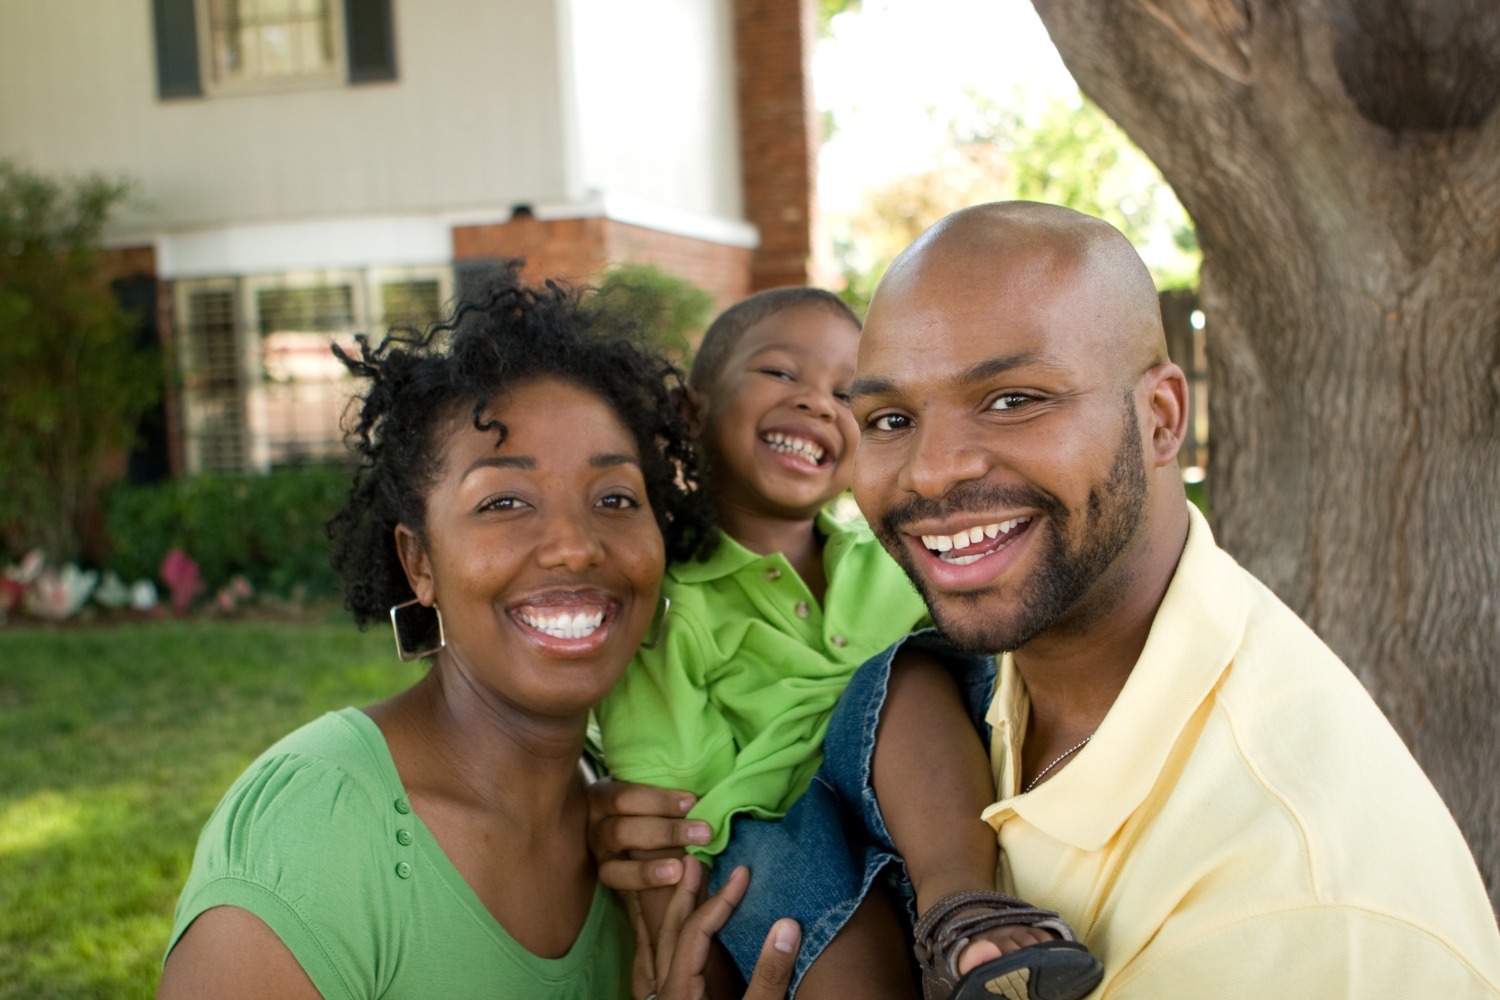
x: 969, y: 536
x: 565, y: 626
x: 801, y: 447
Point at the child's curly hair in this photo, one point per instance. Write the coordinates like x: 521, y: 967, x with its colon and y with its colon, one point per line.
x: 419, y: 383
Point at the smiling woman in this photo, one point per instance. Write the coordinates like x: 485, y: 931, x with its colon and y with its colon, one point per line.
x: 524, y: 479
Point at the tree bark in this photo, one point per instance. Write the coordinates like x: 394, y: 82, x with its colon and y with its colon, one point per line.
x: 1341, y: 162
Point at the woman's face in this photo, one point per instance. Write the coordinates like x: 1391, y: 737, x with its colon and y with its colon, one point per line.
x: 542, y: 554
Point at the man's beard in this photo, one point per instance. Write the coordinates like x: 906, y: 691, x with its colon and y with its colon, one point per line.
x: 1116, y: 506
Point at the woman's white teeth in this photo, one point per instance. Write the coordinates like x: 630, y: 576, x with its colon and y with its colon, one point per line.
x: 801, y: 447
x: 565, y: 626
x: 969, y: 536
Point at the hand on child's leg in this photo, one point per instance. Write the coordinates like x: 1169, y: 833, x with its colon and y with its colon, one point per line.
x: 636, y: 833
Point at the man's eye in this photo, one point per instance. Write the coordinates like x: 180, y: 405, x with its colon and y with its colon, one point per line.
x: 619, y: 501
x: 1011, y: 401
x: 890, y: 422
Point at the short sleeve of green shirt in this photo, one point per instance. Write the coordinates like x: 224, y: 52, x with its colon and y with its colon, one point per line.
x: 318, y: 840
x: 733, y: 702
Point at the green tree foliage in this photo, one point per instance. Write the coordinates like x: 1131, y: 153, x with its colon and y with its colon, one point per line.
x: 828, y: 9
x: 1063, y: 151
x: 72, y: 381
x: 665, y: 311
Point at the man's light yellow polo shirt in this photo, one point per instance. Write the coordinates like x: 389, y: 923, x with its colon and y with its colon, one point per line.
x: 1245, y: 822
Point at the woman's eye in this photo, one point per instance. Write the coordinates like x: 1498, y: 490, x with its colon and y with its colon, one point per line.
x: 1011, y: 401
x: 502, y: 503
x: 619, y: 501
x: 890, y: 422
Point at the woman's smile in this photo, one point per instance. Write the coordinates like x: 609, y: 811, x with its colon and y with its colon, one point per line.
x: 567, y: 622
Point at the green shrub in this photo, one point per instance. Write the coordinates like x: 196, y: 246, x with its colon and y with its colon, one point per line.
x: 268, y: 528
x: 75, y: 381
x: 665, y: 311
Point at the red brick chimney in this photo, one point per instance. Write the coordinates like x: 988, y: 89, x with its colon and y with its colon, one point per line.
x: 779, y: 134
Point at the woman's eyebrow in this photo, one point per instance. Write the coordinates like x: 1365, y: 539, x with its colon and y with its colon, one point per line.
x: 611, y: 459
x: 502, y: 462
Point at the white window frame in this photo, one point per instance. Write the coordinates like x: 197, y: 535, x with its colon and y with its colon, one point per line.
x: 336, y: 76
x: 257, y: 445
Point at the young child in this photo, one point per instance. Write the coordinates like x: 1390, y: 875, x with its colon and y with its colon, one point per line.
x: 731, y: 701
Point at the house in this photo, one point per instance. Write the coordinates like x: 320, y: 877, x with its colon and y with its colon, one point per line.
x: 307, y: 169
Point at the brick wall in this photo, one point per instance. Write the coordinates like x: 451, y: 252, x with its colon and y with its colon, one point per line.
x: 779, y: 134
x: 579, y: 250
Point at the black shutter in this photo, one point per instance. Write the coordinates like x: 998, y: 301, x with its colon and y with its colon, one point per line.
x: 176, y: 49
x: 371, y: 35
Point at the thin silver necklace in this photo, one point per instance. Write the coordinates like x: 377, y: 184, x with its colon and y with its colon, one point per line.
x: 1059, y: 759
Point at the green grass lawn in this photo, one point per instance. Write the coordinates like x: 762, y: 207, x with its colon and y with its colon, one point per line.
x: 116, y: 744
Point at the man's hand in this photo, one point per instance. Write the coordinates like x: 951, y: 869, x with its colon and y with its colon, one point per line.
x: 676, y: 964
x: 637, y: 832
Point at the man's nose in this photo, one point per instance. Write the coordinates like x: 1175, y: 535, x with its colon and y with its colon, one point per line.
x: 942, y: 455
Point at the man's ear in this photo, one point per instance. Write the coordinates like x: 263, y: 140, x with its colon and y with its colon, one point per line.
x: 418, y: 567
x: 691, y: 404
x: 1166, y: 400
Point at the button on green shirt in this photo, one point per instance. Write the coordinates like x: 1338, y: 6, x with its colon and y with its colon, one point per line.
x: 733, y: 701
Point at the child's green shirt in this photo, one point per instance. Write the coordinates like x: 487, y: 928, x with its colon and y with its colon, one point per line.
x: 733, y: 701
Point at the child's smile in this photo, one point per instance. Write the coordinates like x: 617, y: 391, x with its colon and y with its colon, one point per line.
x: 799, y: 451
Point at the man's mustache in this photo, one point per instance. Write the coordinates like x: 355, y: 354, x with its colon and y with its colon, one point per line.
x: 975, y: 496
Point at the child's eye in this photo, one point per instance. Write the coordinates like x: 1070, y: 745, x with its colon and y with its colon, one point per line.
x: 843, y: 396
x: 502, y: 502
x: 1011, y: 401
x: 890, y: 422
x: 780, y: 373
x: 619, y: 501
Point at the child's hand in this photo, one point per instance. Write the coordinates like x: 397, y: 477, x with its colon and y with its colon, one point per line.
x: 674, y: 968
x: 637, y: 832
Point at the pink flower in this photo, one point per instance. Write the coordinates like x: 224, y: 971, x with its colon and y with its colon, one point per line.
x: 180, y: 574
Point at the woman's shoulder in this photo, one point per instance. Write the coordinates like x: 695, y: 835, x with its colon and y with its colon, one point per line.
x: 331, y: 777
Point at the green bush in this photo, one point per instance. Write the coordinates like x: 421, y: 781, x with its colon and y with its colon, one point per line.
x: 663, y: 310
x: 268, y: 528
x: 75, y: 382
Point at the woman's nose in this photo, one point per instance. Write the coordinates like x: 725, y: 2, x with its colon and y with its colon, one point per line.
x: 569, y: 543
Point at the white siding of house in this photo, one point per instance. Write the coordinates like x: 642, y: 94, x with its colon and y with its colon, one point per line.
x: 654, y: 91
x: 473, y: 121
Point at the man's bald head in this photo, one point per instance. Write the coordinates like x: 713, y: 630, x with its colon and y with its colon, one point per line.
x: 1015, y: 248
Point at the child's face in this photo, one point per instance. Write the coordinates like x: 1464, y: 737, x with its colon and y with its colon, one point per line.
x: 776, y: 421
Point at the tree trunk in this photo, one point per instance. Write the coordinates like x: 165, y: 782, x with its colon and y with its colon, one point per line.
x: 1341, y: 162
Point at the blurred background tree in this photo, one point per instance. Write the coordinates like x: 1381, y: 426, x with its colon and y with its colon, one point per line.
x: 665, y: 311
x: 1062, y: 150
x: 75, y: 381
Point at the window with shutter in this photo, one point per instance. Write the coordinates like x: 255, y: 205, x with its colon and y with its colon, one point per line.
x: 236, y: 46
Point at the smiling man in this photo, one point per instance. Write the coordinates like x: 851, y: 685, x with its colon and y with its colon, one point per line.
x: 1176, y: 764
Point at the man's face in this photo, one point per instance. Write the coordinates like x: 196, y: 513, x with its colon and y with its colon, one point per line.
x: 1000, y: 457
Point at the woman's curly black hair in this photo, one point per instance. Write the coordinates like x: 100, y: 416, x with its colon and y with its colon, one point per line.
x: 419, y: 383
